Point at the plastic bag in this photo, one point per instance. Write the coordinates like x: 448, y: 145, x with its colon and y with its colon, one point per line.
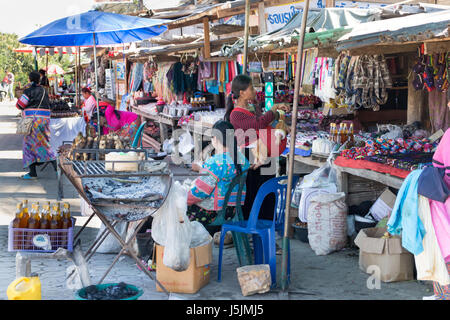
x: 200, y: 236
x: 111, y: 244
x: 322, y: 177
x: 172, y: 229
x: 297, y: 195
x: 327, y: 223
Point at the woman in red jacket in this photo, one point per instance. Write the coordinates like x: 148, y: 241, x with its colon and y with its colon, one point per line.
x: 247, y: 120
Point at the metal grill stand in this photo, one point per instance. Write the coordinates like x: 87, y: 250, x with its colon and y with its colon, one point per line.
x: 75, y: 178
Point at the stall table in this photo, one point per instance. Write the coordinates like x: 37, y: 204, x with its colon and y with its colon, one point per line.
x: 358, y: 184
x: 201, y: 132
x: 164, y: 121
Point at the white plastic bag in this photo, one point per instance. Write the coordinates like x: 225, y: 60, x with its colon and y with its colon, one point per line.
x: 322, y: 177
x: 327, y: 223
x: 200, y: 236
x: 172, y: 229
x: 111, y: 244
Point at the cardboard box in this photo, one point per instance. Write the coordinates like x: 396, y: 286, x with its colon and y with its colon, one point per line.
x: 190, y: 281
x: 395, y: 262
x: 383, y: 206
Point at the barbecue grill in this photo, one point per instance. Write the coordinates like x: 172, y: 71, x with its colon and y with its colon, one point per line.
x: 108, y: 193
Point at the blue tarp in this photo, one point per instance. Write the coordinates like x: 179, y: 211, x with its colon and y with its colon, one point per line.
x: 109, y: 28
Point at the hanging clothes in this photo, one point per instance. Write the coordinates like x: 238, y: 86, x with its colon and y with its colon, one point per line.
x: 404, y: 218
x: 439, y: 112
x: 430, y: 263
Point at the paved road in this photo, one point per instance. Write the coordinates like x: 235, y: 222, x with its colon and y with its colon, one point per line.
x: 335, y: 276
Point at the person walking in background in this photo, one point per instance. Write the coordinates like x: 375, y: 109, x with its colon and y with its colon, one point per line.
x: 36, y: 146
x: 11, y: 79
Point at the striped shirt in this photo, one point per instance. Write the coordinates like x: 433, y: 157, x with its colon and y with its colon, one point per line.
x: 243, y: 120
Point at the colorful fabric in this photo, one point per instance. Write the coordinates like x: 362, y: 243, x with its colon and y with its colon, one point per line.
x: 441, y: 222
x: 404, y: 218
x: 442, y: 292
x: 369, y: 165
x: 441, y: 158
x: 23, y: 101
x: 382, y: 146
x: 206, y: 217
x: 129, y: 130
x: 115, y: 124
x: 36, y: 146
x: 209, y: 191
x: 430, y: 264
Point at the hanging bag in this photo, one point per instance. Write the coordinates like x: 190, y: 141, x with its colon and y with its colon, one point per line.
x: 26, y: 123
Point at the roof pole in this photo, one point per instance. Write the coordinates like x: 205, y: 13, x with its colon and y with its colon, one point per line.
x: 246, y: 34
x: 96, y: 86
x: 284, y: 277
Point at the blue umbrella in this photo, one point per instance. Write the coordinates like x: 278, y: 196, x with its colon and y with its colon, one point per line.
x: 108, y: 28
x: 95, y: 28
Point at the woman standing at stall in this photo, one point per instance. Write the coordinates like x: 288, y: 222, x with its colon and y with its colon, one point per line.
x: 247, y: 120
x: 89, y: 104
x: 36, y: 146
x: 124, y: 123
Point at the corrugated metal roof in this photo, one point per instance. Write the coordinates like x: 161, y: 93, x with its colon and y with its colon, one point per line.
x: 416, y: 27
x: 323, y: 27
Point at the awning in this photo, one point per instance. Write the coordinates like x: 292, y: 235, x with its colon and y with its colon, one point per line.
x: 324, y: 26
x: 413, y: 28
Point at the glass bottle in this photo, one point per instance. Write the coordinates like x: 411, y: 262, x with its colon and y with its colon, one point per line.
x: 34, y: 221
x: 45, y: 217
x: 25, y: 216
x: 66, y: 218
x: 352, y: 133
x: 17, y: 235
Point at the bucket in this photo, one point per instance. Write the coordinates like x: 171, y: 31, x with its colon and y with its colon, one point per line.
x: 25, y: 289
x: 82, y: 292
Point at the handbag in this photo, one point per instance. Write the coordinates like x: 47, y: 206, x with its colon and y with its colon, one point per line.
x: 26, y: 123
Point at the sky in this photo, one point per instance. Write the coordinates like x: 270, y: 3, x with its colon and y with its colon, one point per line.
x: 24, y: 16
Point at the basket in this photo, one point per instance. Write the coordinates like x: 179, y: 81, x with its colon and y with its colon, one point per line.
x: 81, y: 292
x: 22, y: 239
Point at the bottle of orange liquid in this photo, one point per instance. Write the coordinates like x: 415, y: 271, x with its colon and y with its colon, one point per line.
x: 345, y: 133
x: 34, y: 222
x: 45, y: 217
x: 66, y: 218
x: 17, y: 236
x: 55, y: 223
x: 25, y: 216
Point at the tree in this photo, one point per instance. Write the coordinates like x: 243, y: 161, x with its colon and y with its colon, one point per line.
x: 18, y: 63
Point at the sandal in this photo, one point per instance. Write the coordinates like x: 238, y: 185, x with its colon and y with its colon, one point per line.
x: 28, y: 177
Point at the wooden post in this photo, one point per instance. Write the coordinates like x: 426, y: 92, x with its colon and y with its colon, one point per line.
x: 284, y: 261
x: 207, y: 40
x: 246, y: 34
x: 262, y: 18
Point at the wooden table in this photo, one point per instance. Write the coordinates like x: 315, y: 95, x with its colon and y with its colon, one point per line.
x: 358, y: 184
x: 164, y: 121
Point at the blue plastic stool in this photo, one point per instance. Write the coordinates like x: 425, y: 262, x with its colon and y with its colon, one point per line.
x: 263, y: 231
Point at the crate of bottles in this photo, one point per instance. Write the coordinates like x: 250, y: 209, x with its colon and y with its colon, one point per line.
x: 49, y: 240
